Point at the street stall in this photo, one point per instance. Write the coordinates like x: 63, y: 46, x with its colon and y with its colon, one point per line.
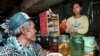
x: 49, y: 28
x: 63, y: 44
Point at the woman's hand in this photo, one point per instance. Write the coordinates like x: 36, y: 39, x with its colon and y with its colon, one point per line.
x: 63, y: 25
x: 72, y: 30
x: 63, y: 21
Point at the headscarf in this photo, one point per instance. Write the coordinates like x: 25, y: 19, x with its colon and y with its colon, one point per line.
x: 24, y: 51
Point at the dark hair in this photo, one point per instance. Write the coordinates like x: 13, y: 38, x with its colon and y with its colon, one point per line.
x: 76, y: 2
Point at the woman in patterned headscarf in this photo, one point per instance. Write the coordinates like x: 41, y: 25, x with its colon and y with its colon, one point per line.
x: 21, y: 41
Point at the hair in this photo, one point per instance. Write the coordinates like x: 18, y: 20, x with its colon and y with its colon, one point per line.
x: 26, y: 26
x: 76, y: 2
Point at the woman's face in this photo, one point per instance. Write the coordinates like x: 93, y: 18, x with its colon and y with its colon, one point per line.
x: 31, y: 32
x: 77, y: 9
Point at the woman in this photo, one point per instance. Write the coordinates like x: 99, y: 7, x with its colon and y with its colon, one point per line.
x: 78, y: 23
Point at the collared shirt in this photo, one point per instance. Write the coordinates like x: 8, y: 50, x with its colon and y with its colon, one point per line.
x: 15, y: 48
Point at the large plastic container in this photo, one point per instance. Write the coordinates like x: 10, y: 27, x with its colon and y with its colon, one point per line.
x: 89, y: 43
x: 77, y: 46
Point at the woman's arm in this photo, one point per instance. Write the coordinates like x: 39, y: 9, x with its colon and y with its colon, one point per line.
x: 69, y: 29
x: 85, y: 26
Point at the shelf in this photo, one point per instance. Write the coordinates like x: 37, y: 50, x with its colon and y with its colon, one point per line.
x: 54, y: 16
x: 53, y: 19
x: 55, y: 24
x: 54, y: 31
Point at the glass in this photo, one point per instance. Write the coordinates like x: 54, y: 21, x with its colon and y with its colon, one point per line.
x: 64, y: 47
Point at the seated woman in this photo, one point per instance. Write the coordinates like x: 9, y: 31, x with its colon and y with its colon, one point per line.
x: 21, y: 42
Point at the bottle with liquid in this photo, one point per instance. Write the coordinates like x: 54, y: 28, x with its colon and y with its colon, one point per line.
x: 64, y: 47
x: 53, y: 43
x: 45, y: 41
x: 38, y: 39
x: 77, y: 46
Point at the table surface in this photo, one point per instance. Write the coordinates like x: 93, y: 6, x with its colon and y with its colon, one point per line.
x: 87, y: 54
